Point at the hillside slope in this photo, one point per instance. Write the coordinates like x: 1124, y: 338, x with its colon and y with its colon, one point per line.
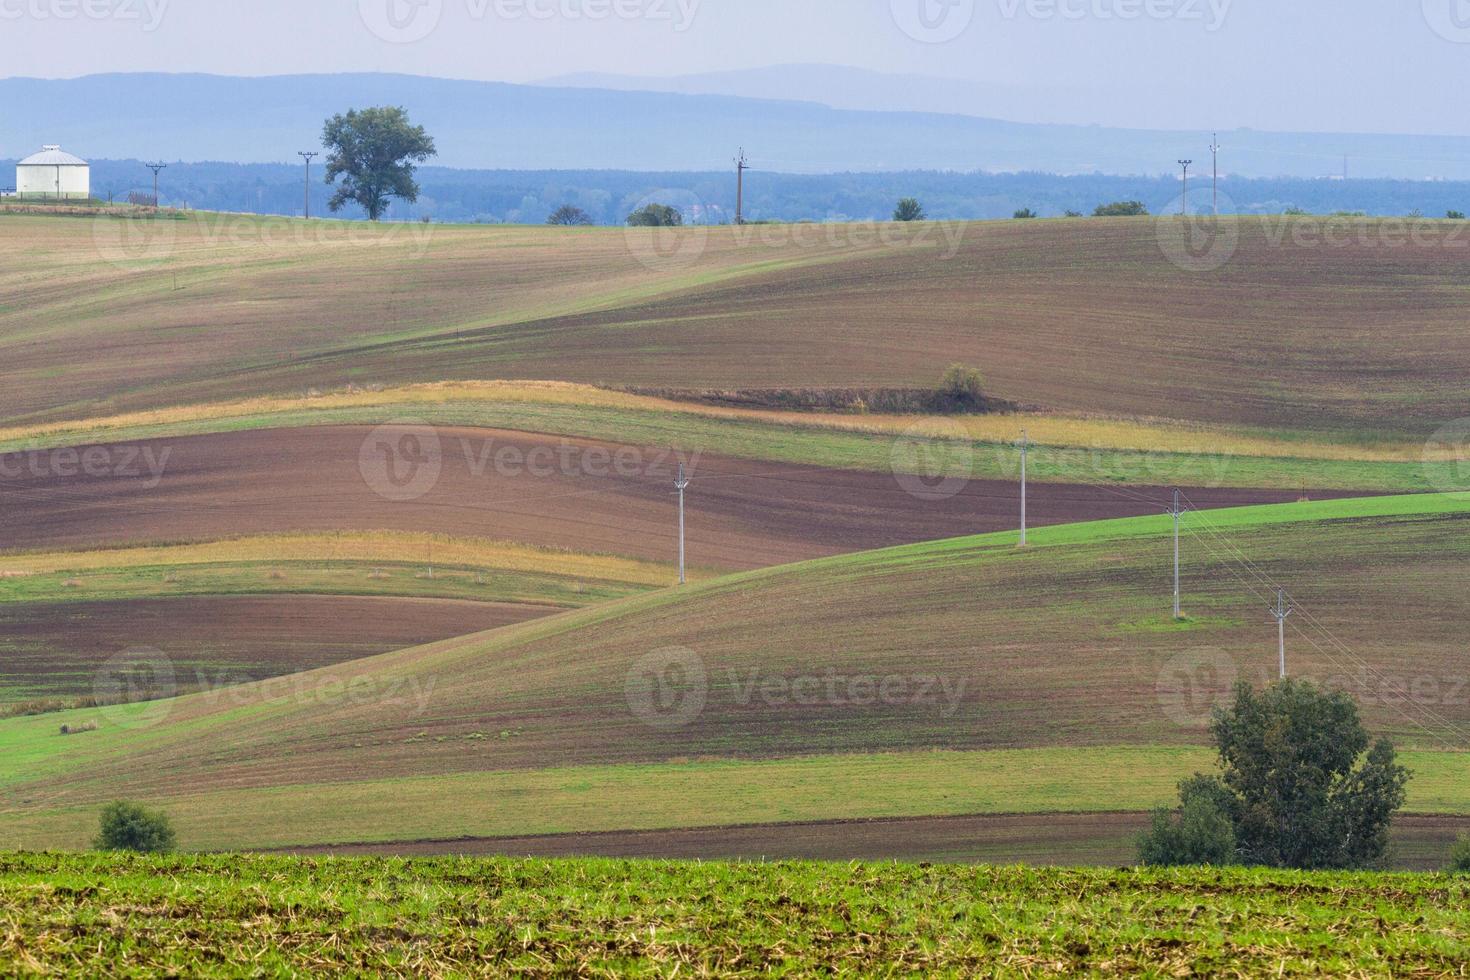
x: 964, y: 644
x: 1356, y: 335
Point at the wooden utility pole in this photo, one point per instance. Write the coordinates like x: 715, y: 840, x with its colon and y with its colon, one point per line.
x: 307, y: 156
x: 740, y: 167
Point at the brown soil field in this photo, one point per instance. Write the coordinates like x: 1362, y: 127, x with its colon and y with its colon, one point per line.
x: 1420, y: 843
x: 572, y: 494
x: 1336, y: 325
x: 57, y: 649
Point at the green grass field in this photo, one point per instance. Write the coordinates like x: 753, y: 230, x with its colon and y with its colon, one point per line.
x: 209, y: 916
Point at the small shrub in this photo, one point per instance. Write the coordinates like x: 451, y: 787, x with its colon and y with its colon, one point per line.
x: 1024, y: 213
x: 1455, y: 215
x: 1460, y: 856
x: 1200, y: 832
x: 130, y: 827
x: 90, y: 726
x: 963, y: 384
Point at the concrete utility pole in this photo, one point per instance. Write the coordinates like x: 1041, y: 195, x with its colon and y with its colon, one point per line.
x: 1177, y: 513
x: 156, y: 167
x: 1280, y: 612
x: 308, y: 156
x: 1025, y: 445
x: 1215, y: 155
x: 681, y: 484
x: 1184, y: 206
x: 740, y: 167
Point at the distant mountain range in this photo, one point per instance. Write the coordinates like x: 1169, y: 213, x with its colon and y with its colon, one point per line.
x: 533, y: 127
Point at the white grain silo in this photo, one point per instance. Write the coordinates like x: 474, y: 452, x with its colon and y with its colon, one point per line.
x: 55, y: 174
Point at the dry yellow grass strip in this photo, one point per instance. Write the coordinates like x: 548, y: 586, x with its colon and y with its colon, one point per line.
x: 1142, y: 435
x: 384, y: 546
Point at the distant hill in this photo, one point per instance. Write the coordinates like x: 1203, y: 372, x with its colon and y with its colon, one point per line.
x: 501, y: 126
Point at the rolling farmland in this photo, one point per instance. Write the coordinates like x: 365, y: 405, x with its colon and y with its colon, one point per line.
x: 190, y: 471
x: 894, y: 651
x: 1347, y: 329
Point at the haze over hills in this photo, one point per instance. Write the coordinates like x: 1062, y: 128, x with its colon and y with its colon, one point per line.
x: 503, y: 126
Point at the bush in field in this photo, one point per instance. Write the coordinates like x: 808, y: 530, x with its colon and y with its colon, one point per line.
x: 1460, y: 856
x: 130, y: 827
x: 1121, y: 209
x: 1455, y: 215
x: 1201, y: 831
x: 963, y: 385
x: 1024, y: 213
x: 1301, y: 784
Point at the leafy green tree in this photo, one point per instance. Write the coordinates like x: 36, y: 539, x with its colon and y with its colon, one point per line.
x: 1309, y: 790
x: 130, y: 827
x: 909, y: 209
x: 1121, y: 209
x: 656, y: 216
x: 1455, y: 215
x: 1201, y: 831
x: 1024, y: 213
x: 569, y: 215
x: 374, y: 152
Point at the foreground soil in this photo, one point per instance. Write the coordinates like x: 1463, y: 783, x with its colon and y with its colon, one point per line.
x: 1048, y: 839
x: 563, y: 493
x: 65, y: 650
x: 209, y: 916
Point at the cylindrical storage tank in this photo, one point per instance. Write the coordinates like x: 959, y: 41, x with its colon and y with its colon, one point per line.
x: 53, y: 173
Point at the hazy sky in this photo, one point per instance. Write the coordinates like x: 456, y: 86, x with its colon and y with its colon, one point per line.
x: 1382, y: 65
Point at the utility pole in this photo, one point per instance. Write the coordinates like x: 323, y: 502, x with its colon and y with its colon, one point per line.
x: 1025, y: 445
x: 1281, y: 611
x: 740, y: 167
x: 1184, y: 207
x: 1215, y: 156
x: 681, y: 484
x: 155, y: 167
x: 308, y: 156
x: 1177, y: 513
